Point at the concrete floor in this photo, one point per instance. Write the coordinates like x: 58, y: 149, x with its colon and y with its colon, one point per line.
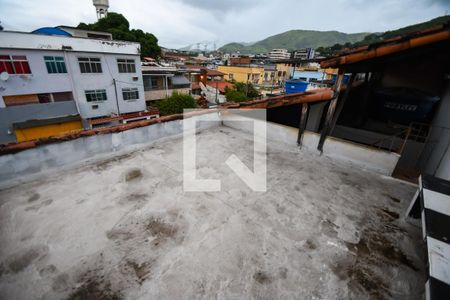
x: 124, y: 228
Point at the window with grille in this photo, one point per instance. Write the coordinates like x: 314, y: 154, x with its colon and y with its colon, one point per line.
x: 14, y: 64
x: 130, y: 94
x: 96, y: 95
x: 126, y: 65
x: 55, y: 64
x: 90, y: 65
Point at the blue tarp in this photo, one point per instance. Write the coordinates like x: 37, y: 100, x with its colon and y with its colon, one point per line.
x: 295, y: 86
x: 51, y: 31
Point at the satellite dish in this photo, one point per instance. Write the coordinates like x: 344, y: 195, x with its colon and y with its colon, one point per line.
x: 4, y: 76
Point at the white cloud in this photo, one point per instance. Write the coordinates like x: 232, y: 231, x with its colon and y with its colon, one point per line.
x: 177, y: 23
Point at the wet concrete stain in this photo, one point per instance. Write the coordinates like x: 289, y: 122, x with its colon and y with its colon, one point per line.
x: 61, y: 283
x: 160, y: 229
x: 38, y: 206
x: 133, y: 175
x: 95, y: 288
x: 34, y: 197
x: 21, y: 260
x: 48, y: 270
x: 387, y: 215
x: 141, y: 271
x: 376, y: 244
x: 119, y: 234
x: 103, y: 165
x: 369, y: 281
x: 283, y: 273
x: 396, y: 200
x: 329, y: 228
x: 310, y: 245
x: 262, y: 278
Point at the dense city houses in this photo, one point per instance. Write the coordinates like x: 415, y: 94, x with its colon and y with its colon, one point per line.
x: 68, y: 84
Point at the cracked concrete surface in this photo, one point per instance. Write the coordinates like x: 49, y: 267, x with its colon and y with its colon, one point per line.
x: 124, y: 228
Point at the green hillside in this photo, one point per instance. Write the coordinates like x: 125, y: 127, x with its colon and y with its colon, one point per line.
x: 403, y: 31
x: 296, y: 39
x: 379, y: 37
x: 327, y: 41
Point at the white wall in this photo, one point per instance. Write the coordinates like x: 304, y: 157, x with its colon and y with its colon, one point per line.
x: 96, y: 81
x: 40, y: 81
x: 438, y: 162
x: 35, y: 47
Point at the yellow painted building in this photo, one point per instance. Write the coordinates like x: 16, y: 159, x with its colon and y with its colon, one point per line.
x: 36, y: 129
x: 254, y: 75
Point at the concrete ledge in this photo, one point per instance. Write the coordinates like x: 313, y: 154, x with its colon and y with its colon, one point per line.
x: 22, y: 166
x: 361, y: 156
x: 36, y: 161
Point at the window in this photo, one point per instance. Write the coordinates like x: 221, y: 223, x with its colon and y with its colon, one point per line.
x: 126, y: 66
x: 95, y: 95
x: 130, y: 94
x: 55, y: 64
x: 62, y: 96
x: 14, y: 64
x: 153, y: 83
x: 90, y: 65
x: 230, y: 76
x: 44, y: 98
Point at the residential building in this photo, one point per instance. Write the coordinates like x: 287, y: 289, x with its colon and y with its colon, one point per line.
x: 65, y: 77
x: 308, y: 76
x: 161, y: 82
x: 252, y: 74
x: 278, y: 54
x: 304, y: 53
x: 201, y: 74
x: 239, y: 61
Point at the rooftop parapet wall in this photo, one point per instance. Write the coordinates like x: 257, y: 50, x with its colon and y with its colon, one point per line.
x: 22, y: 40
x: 38, y: 160
x: 360, y: 156
x: 29, y: 164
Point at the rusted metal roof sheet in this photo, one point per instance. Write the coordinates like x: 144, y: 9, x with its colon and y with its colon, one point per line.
x: 390, y: 46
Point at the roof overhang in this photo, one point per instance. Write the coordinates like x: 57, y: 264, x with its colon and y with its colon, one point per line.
x: 409, y: 45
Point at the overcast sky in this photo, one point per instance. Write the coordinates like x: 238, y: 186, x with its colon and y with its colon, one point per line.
x: 177, y: 23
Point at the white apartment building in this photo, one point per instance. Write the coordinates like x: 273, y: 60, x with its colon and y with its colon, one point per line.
x: 101, y: 78
x: 277, y: 54
x: 305, y: 53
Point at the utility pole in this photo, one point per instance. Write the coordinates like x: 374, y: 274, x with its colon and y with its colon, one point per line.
x: 117, y: 98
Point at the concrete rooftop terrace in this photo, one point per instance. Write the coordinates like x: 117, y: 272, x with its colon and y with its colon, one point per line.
x: 123, y: 227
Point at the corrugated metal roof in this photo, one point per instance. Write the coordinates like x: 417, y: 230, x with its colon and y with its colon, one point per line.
x: 390, y: 46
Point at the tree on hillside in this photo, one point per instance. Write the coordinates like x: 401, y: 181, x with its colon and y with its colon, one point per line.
x: 119, y: 27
